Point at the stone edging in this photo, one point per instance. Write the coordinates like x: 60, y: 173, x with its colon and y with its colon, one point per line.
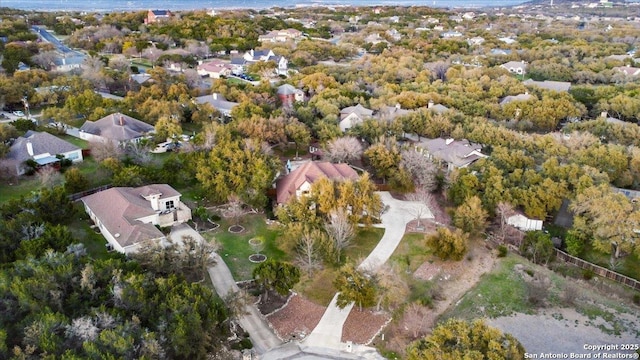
x: 379, y: 331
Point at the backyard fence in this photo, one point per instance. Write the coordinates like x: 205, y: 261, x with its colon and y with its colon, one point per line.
x: 598, y: 270
x: 78, y: 196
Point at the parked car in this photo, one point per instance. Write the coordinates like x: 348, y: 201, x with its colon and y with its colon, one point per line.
x: 18, y: 113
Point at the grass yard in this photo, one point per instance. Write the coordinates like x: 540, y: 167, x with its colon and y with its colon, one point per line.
x: 319, y: 286
x: 501, y: 292
x: 235, y: 248
x: 14, y: 190
x: 411, y: 252
x: 628, y: 265
x: 365, y: 241
x: 83, y: 144
x: 93, y: 241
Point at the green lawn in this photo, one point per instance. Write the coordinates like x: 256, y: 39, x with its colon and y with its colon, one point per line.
x: 81, y: 230
x: 365, y: 241
x: 235, y: 248
x: 411, y: 253
x: 628, y: 265
x: 83, y: 144
x: 22, y: 187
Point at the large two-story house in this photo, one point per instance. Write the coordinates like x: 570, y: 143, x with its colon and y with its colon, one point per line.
x: 127, y: 217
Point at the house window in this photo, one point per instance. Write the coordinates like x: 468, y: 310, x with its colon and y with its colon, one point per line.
x: 169, y: 205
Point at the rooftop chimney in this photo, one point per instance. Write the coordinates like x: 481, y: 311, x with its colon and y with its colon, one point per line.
x: 398, y: 106
x: 430, y: 104
x: 604, y: 114
x: 121, y: 120
x: 30, y: 148
x: 215, y: 96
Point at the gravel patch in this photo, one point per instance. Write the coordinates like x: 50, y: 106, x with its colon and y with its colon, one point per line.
x: 559, y: 330
x: 362, y: 326
x: 296, y: 320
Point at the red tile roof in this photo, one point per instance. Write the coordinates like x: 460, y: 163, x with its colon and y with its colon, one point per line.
x: 311, y: 172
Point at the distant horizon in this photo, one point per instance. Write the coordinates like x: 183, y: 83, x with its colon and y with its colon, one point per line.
x: 101, y: 6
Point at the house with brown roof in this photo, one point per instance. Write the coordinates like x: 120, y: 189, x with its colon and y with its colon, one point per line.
x: 117, y: 128
x: 215, y: 69
x: 452, y: 154
x: 128, y: 216
x: 353, y: 115
x: 298, y: 182
x: 42, y: 147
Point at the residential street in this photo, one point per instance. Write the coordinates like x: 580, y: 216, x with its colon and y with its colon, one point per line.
x: 261, y: 335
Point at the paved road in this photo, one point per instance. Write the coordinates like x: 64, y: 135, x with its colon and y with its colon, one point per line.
x: 261, y: 335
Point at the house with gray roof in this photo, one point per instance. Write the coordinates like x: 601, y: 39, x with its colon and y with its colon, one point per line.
x: 353, y: 115
x: 515, y: 67
x: 117, y: 128
x: 511, y: 98
x: 389, y: 113
x: 218, y: 102
x: 41, y: 147
x: 127, y: 216
x: 452, y: 154
x: 437, y: 108
x: 559, y: 86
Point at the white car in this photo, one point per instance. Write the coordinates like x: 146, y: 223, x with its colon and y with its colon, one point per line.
x: 18, y: 113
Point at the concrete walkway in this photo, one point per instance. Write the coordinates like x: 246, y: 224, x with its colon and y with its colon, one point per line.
x: 328, y: 332
x: 261, y: 335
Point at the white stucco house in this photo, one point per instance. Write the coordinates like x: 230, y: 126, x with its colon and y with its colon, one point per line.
x: 127, y: 217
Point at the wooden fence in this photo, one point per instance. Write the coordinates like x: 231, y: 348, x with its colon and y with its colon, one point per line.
x: 78, y: 196
x: 598, y: 270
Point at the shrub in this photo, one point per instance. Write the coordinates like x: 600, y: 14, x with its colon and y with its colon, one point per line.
x: 588, y: 274
x: 502, y: 251
x: 636, y: 299
x: 537, y: 292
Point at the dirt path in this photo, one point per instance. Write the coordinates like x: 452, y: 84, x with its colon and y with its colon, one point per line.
x: 456, y: 278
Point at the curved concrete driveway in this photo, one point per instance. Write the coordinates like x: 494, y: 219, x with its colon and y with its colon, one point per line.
x: 328, y: 332
x: 261, y: 335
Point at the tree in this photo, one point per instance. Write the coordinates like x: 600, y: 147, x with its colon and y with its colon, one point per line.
x: 278, y: 276
x: 298, y: 133
x: 312, y: 247
x: 340, y: 231
x: 424, y: 199
x: 187, y: 257
x: 75, y: 181
x: 354, y: 285
x: 537, y: 247
x: 470, y: 217
x: 392, y: 288
x: 49, y: 176
x: 344, y: 149
x: 168, y: 128
x: 609, y: 218
x: 447, y: 244
x: 457, y: 339
x: 102, y: 150
x: 422, y: 170
x: 235, y: 167
x: 383, y: 159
